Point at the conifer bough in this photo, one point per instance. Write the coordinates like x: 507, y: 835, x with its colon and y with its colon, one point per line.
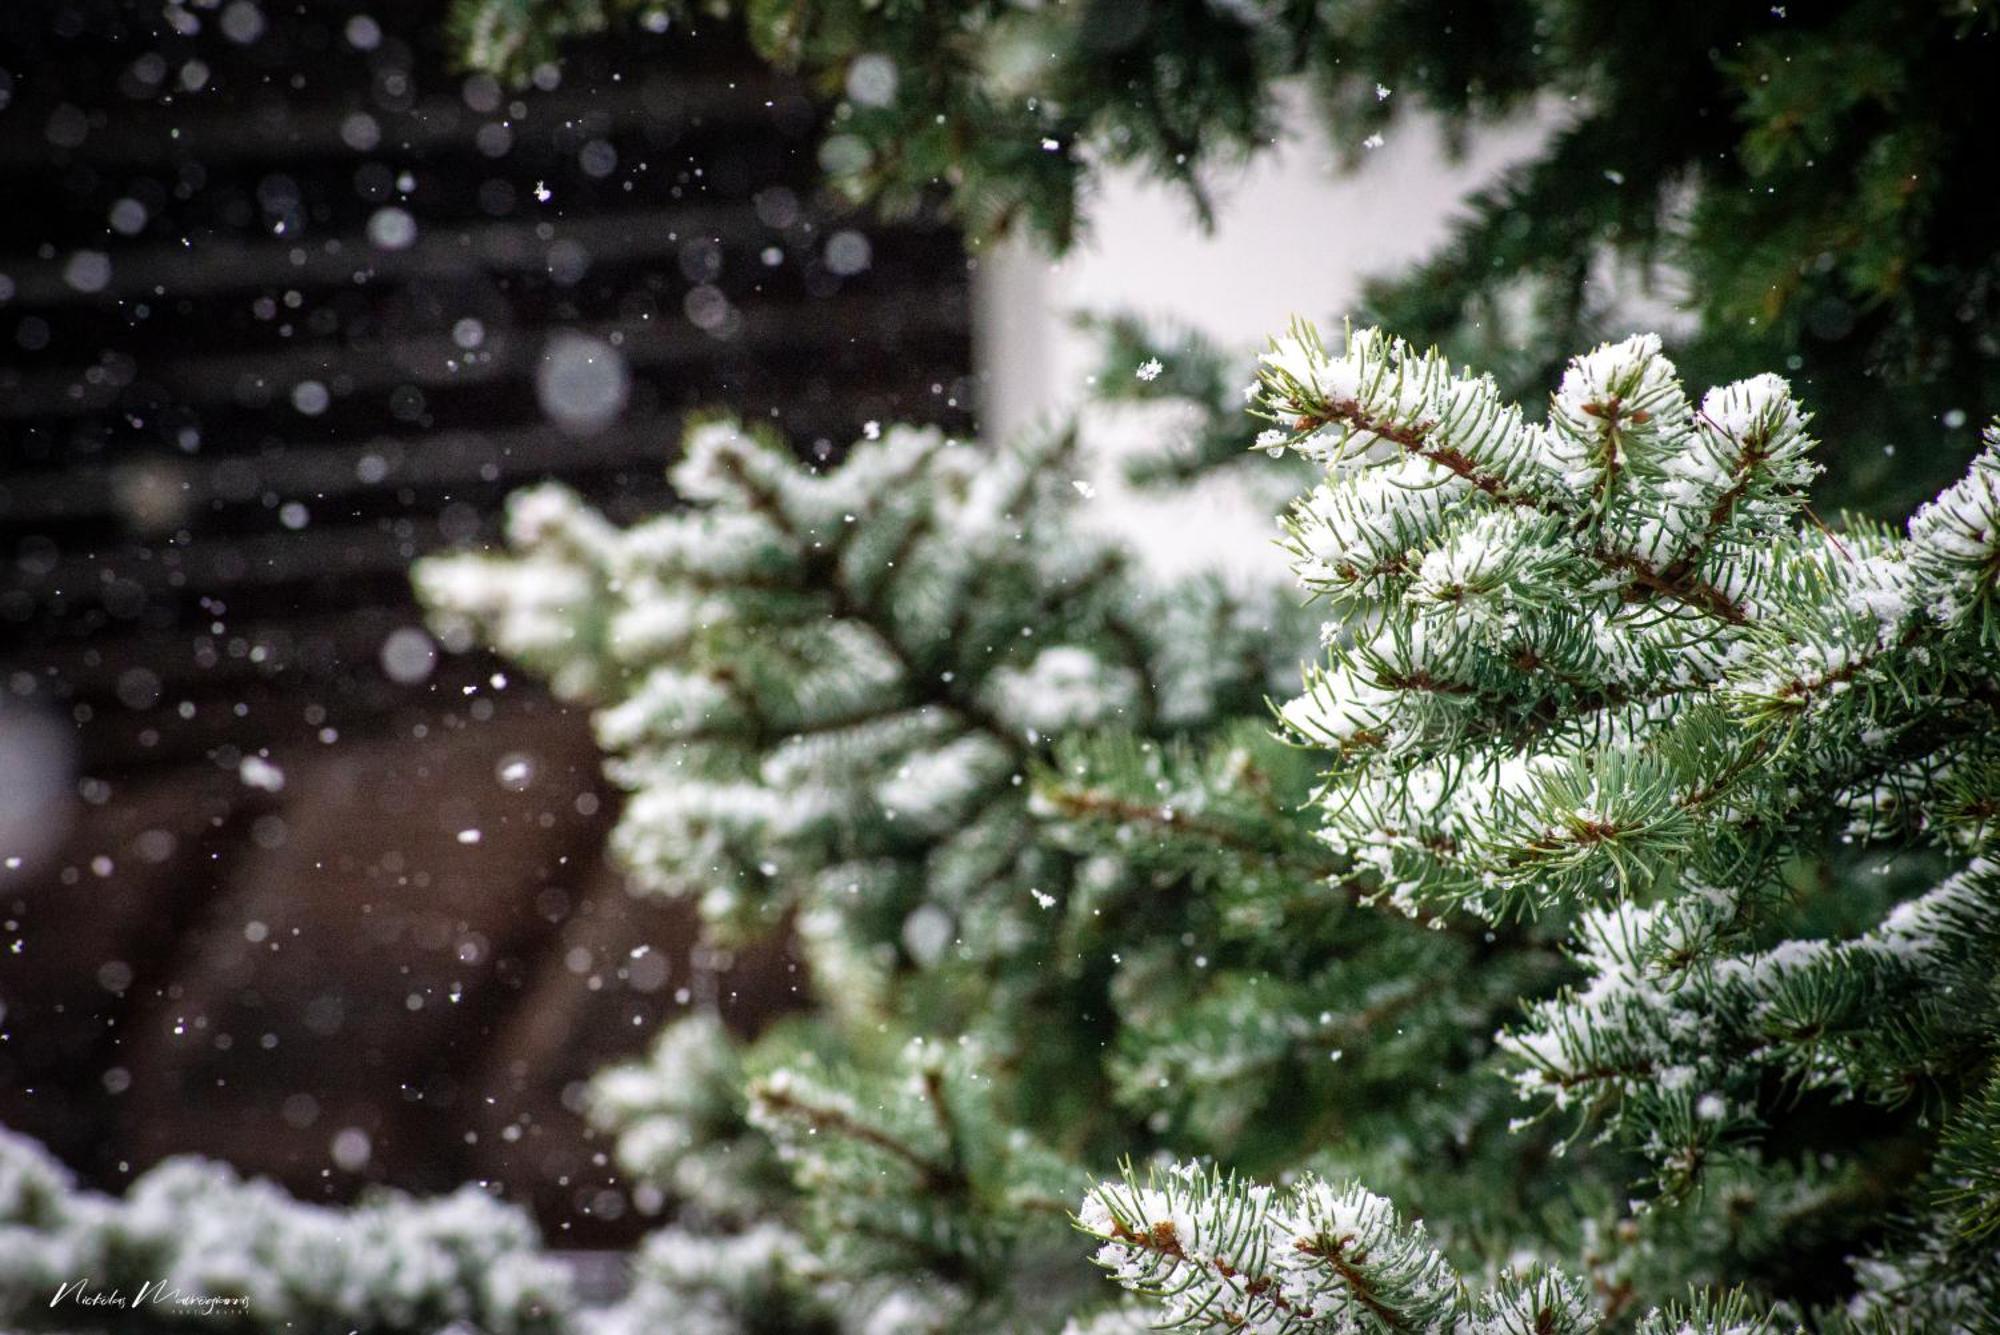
x: 1603, y: 666
x: 1813, y: 176
x: 191, y: 1246
x: 1601, y: 678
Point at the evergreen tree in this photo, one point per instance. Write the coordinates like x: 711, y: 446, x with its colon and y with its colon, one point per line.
x: 1604, y: 941
x: 1810, y: 176
x: 1629, y: 790
x: 193, y: 1247
x: 1599, y: 671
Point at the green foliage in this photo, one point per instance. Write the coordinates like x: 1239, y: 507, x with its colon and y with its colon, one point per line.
x: 1599, y: 655
x: 1219, y: 1254
x: 997, y: 99
x: 681, y: 1117
x: 1144, y: 363
x: 1599, y: 668
x: 1222, y: 1255
x: 1305, y: 1014
x: 838, y: 699
x: 1630, y: 790
x: 191, y: 1246
x: 915, y: 1176
x: 827, y: 693
x: 1812, y: 174
x: 816, y: 1189
x: 516, y: 37
x: 918, y: 602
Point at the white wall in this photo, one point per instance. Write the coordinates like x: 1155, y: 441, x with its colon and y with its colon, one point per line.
x: 1294, y: 236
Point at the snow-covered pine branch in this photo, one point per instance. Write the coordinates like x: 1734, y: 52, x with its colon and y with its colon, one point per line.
x: 833, y: 694
x: 828, y: 690
x: 838, y: 678
x: 1601, y: 676
x: 1211, y: 1252
x: 1609, y: 657
x: 681, y: 1121
x: 1601, y: 652
x: 1216, y: 1253
x: 192, y: 1227
x: 1872, y: 1017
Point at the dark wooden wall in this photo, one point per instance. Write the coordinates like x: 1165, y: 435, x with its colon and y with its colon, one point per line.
x: 275, y: 290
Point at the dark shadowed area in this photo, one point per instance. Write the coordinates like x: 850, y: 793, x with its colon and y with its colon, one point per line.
x: 285, y: 302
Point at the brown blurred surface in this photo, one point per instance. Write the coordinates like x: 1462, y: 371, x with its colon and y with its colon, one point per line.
x: 230, y: 419
x: 209, y: 967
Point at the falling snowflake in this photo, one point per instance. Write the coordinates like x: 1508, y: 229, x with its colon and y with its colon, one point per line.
x: 1084, y: 489
x: 1150, y: 369
x: 1046, y: 901
x: 1372, y: 142
x: 257, y: 772
x: 542, y: 192
x: 872, y: 430
x: 1381, y: 92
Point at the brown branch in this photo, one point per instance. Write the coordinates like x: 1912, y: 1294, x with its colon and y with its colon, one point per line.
x: 934, y: 1094
x: 1358, y: 1284
x: 1424, y: 681
x: 1754, y: 454
x: 1163, y: 1239
x: 1095, y: 803
x: 1611, y: 414
x: 1694, y: 593
x: 935, y: 1176
x: 1797, y: 691
x: 1416, y: 440
x: 1596, y: 1075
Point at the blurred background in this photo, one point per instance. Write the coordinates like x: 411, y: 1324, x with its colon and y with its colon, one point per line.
x: 285, y: 302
